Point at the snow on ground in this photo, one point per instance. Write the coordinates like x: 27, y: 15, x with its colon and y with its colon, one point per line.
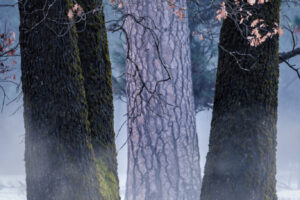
x: 13, y: 188
x: 288, y: 194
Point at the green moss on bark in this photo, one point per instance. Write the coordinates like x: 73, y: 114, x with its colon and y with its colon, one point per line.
x: 109, y: 182
x: 95, y: 62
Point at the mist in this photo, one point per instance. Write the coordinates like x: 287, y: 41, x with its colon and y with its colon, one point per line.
x: 12, y: 132
x: 12, y: 169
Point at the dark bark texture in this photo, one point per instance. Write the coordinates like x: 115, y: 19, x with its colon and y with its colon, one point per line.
x: 163, y: 154
x: 241, y: 159
x: 96, y: 67
x: 59, y: 158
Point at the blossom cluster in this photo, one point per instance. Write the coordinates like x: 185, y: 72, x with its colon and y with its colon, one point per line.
x: 7, y: 50
x: 257, y: 26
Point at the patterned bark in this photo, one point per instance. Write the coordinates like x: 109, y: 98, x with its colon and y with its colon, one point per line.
x: 58, y: 154
x: 163, y: 154
x: 241, y: 162
x: 95, y: 63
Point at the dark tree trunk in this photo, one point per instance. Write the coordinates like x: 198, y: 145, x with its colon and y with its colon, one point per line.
x: 95, y: 62
x: 163, y: 154
x: 241, y: 161
x: 58, y: 154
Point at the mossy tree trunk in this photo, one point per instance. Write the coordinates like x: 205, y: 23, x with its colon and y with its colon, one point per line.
x: 241, y: 159
x: 96, y: 66
x: 163, y: 153
x: 59, y: 158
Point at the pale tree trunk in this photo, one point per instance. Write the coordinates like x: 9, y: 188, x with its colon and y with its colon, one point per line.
x: 163, y: 154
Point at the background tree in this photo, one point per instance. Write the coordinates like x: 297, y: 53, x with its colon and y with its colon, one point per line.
x: 203, y: 31
x: 241, y: 160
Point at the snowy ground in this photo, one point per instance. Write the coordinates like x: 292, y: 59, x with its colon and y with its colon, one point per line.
x: 288, y: 194
x: 13, y: 188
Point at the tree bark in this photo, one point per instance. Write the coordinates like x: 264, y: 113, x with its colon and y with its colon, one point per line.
x: 95, y: 62
x: 241, y: 162
x: 163, y: 154
x: 59, y: 157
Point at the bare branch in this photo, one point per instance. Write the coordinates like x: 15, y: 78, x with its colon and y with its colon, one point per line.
x: 8, y: 5
x: 283, y: 56
x: 297, y: 70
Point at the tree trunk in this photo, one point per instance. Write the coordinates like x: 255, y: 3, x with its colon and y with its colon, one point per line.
x: 241, y: 159
x: 163, y: 154
x: 58, y: 154
x: 95, y: 62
